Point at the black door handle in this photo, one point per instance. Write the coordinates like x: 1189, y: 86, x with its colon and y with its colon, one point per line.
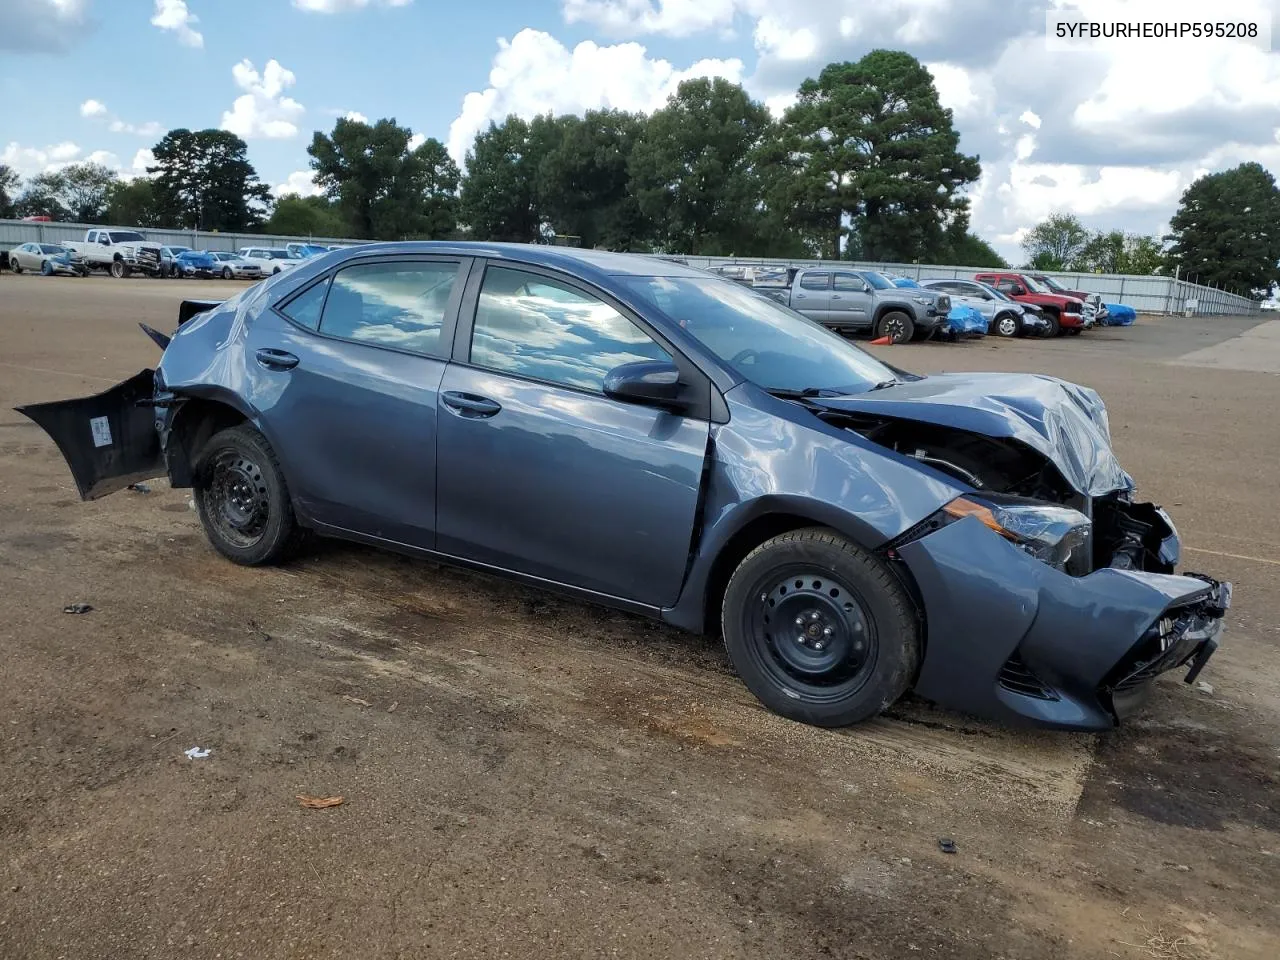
x: 470, y: 405
x: 276, y: 359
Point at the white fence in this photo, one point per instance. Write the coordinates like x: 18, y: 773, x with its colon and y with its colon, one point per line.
x: 1144, y: 294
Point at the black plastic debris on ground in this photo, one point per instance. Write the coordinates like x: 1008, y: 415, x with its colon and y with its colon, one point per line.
x: 77, y: 608
x: 947, y: 845
x: 139, y: 488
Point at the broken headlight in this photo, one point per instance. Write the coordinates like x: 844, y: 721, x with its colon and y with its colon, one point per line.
x: 1048, y: 532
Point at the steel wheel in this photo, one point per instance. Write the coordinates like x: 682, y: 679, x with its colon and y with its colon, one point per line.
x: 226, y: 273
x: 239, y: 498
x: 117, y: 269
x: 812, y: 631
x: 1007, y: 326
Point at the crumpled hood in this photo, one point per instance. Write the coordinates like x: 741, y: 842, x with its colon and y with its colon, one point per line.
x: 1065, y: 422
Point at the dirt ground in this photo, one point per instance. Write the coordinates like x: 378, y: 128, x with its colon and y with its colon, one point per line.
x: 526, y: 776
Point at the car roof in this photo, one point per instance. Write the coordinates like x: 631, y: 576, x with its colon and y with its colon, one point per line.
x: 600, y: 263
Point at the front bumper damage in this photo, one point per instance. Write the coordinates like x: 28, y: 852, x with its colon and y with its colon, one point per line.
x: 1012, y: 639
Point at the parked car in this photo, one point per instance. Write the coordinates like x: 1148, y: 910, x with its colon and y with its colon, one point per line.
x: 304, y: 251
x: 1119, y: 315
x: 1005, y: 317
x: 1092, y: 301
x: 47, y: 258
x: 120, y: 252
x: 270, y: 260
x: 649, y: 437
x: 234, y: 266
x: 167, y: 255
x: 864, y: 300
x: 197, y: 263
x: 1065, y: 314
x: 963, y: 322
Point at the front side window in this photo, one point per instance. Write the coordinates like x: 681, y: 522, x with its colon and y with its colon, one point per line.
x: 537, y: 327
x: 398, y: 304
x: 849, y: 283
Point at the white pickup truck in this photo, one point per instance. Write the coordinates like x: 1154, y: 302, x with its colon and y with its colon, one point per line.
x: 120, y: 252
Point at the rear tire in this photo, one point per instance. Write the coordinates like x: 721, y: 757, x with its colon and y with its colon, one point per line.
x: 820, y: 630
x: 14, y: 265
x: 897, y: 326
x: 242, y: 498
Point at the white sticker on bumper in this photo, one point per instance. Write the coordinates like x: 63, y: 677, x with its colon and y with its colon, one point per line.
x: 101, y: 431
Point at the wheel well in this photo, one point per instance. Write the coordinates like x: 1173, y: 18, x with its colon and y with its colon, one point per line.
x: 197, y: 421
x: 752, y: 534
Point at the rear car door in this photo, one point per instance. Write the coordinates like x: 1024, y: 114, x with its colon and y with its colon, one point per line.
x: 348, y: 370
x: 540, y: 472
x: 850, y: 304
x: 811, y: 295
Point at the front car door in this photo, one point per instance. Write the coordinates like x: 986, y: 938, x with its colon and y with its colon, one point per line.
x: 542, y: 474
x: 811, y: 295
x: 346, y: 375
x: 850, y: 301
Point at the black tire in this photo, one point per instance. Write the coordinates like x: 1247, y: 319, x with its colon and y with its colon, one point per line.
x: 1006, y: 325
x: 119, y: 269
x: 897, y: 326
x: 848, y: 663
x: 242, y: 498
x: 226, y: 273
x: 1055, y: 327
x: 275, y: 271
x: 14, y: 265
x: 45, y: 269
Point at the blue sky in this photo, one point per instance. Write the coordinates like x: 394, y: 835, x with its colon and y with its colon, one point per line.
x: 1113, y: 135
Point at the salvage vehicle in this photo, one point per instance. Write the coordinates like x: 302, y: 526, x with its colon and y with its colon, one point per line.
x: 1092, y: 301
x: 646, y: 436
x: 1005, y: 317
x: 862, y: 300
x: 305, y: 251
x: 234, y: 266
x: 47, y: 258
x: 120, y: 252
x: 1119, y: 315
x: 197, y: 264
x: 167, y: 256
x: 1065, y: 314
x: 269, y: 260
x: 963, y: 323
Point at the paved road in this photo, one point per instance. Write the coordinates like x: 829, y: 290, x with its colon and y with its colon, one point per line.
x: 526, y: 776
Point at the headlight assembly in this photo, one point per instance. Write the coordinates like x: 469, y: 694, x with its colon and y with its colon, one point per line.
x: 1047, y: 532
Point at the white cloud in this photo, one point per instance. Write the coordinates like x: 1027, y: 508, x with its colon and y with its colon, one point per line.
x: 149, y: 129
x: 677, y: 18
x: 356, y: 116
x: 1030, y: 119
x: 173, y: 15
x: 774, y: 39
x: 43, y: 26
x: 29, y: 161
x: 142, y: 159
x: 338, y: 6
x: 301, y: 182
x: 93, y: 108
x: 263, y: 110
x: 417, y: 140
x: 534, y: 73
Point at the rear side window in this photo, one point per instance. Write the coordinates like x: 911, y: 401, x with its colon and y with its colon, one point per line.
x: 399, y: 305
x: 815, y: 281
x: 304, y: 309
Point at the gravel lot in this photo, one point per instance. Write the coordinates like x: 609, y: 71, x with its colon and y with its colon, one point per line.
x: 530, y: 777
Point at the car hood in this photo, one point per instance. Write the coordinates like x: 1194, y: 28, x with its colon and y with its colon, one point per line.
x: 1064, y: 422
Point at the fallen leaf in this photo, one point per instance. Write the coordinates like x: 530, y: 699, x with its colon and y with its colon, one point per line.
x: 356, y: 700
x: 319, y: 803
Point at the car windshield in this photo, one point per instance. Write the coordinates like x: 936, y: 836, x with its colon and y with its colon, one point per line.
x: 1035, y: 287
x: 764, y: 342
x: 876, y: 280
x: 987, y: 288
x: 1049, y: 282
x: 126, y: 236
x: 177, y: 250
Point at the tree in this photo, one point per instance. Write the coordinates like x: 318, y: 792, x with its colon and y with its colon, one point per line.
x: 42, y: 197
x: 383, y: 189
x: 8, y: 187
x: 694, y: 173
x: 877, y: 156
x: 969, y: 250
x: 1119, y: 252
x: 1143, y: 256
x: 583, y: 184
x: 204, y: 180
x: 86, y: 187
x: 500, y: 193
x: 296, y: 216
x: 1225, y: 230
x: 1056, y: 244
x: 132, y: 203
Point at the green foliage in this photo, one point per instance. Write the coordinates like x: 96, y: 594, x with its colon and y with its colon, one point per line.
x: 78, y: 192
x: 1225, y: 231
x: 203, y: 180
x: 132, y: 203
x: 8, y: 188
x: 296, y: 216
x: 383, y: 189
x: 1119, y: 252
x: 500, y: 196
x: 42, y: 197
x: 872, y: 146
x: 1056, y: 244
x: 694, y: 172
x: 969, y: 250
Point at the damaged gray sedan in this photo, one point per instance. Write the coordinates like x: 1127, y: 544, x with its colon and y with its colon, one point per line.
x: 639, y: 434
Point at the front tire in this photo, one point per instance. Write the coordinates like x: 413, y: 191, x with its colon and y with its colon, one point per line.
x: 1007, y: 325
x: 820, y: 630
x: 46, y: 270
x: 1055, y: 326
x: 897, y: 326
x: 242, y: 498
x: 119, y: 269
x: 226, y: 273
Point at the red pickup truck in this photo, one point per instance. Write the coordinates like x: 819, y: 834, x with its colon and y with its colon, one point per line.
x: 1065, y: 314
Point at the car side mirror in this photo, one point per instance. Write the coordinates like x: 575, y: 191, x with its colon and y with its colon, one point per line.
x: 1018, y: 290
x: 105, y: 241
x: 654, y: 383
